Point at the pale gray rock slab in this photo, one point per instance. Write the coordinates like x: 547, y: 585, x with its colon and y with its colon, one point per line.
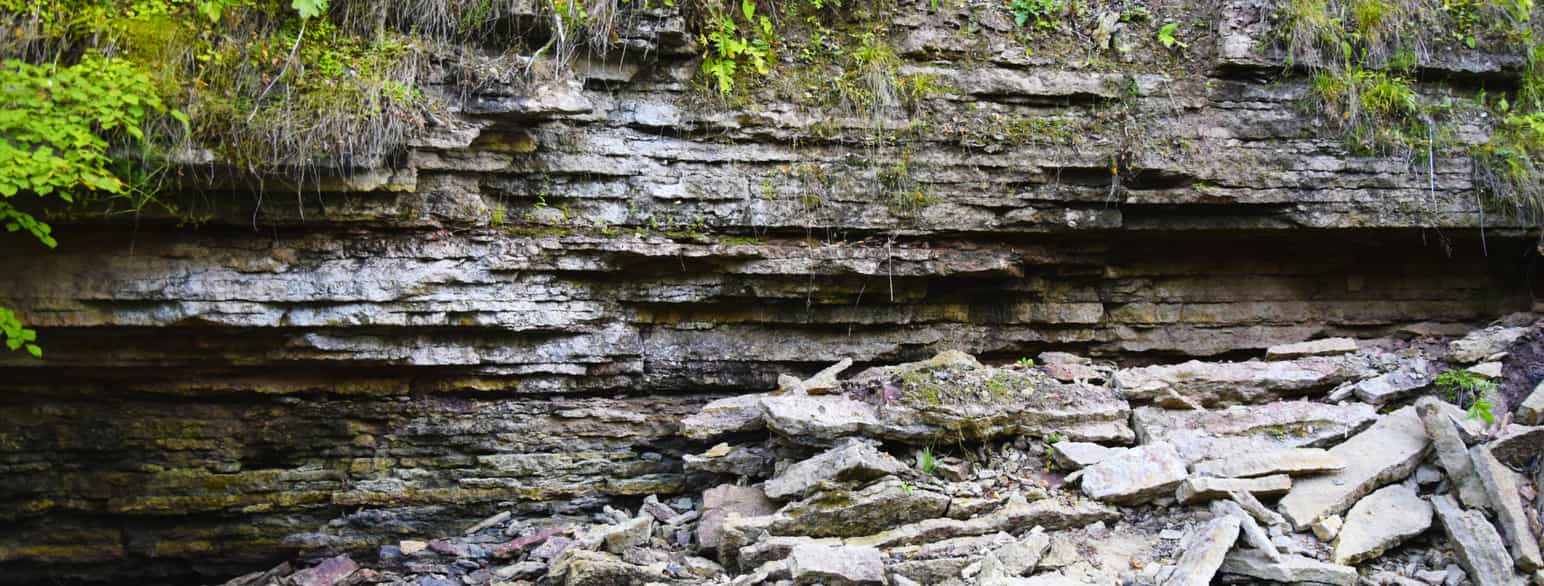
x: 1260, y: 512
x: 1490, y: 370
x: 1452, y: 454
x: 1290, y: 461
x: 754, y: 461
x: 1482, y: 343
x: 724, y: 416
x: 1531, y: 410
x: 1402, y: 383
x: 1480, y: 548
x: 1206, y: 488
x: 1220, y: 433
x: 1071, y: 455
x: 1253, y: 533
x: 836, y: 566
x: 631, y: 533
x: 851, y: 461
x: 1204, y: 549
x: 1386, y: 452
x: 1323, y: 347
x: 777, y: 547
x: 837, y: 512
x: 1289, y: 569
x: 1231, y: 383
x: 1136, y: 475
x: 1380, y: 521
x: 1050, y: 513
x: 1501, y: 488
x: 819, y: 418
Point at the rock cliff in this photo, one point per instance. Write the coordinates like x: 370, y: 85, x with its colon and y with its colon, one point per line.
x: 516, y: 309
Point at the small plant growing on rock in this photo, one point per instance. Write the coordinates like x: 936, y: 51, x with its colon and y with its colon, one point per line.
x: 1026, y: 363
x: 927, y: 463
x: 1167, y: 39
x: 1467, y: 389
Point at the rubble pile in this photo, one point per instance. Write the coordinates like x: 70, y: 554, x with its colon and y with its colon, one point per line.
x: 1332, y: 462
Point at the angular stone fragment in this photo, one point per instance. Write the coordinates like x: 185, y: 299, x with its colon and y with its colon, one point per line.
x: 1326, y: 528
x: 1480, y: 344
x: 777, y: 547
x: 719, y: 502
x: 851, y: 461
x: 1075, y: 455
x: 1254, y: 507
x: 755, y: 461
x: 1388, y: 451
x: 1136, y: 475
x: 1205, y: 488
x: 1491, y: 370
x: 331, y: 571
x: 849, y: 513
x: 1518, y: 445
x: 1324, y: 347
x: 633, y: 533
x: 836, y: 566
x: 1230, y: 383
x: 1220, y: 433
x: 1380, y: 521
x: 1050, y: 513
x: 1501, y: 488
x: 1479, y: 547
x: 1291, y: 461
x: 581, y: 567
x: 1204, y: 550
x: 1452, y: 455
x: 1253, y: 534
x: 1393, y: 386
x: 818, y: 419
x: 1290, y: 569
x: 1531, y: 410
x: 725, y: 416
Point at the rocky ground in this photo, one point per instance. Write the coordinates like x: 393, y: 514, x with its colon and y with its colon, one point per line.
x: 1332, y: 461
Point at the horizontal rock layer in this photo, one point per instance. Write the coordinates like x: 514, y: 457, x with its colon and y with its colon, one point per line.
x: 522, y: 306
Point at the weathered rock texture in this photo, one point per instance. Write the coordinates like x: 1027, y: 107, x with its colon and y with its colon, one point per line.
x: 520, y: 309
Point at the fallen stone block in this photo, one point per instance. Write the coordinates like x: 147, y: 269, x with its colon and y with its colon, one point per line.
x: 1481, y: 344
x: 1386, y: 452
x: 851, y: 461
x: 1479, y: 547
x: 1452, y: 454
x: 725, y: 416
x: 1077, y: 455
x: 1253, y: 533
x: 1291, y: 461
x: 1490, y: 370
x: 1380, y: 521
x: 836, y: 566
x: 1326, y: 528
x: 633, y: 533
x: 1289, y: 569
x: 1050, y: 513
x: 1324, y: 347
x: 1221, y: 433
x: 1206, y: 488
x: 1518, y: 445
x: 1400, y: 384
x: 754, y: 461
x: 1136, y: 475
x: 1204, y: 551
x: 1214, y: 384
x: 1531, y: 410
x: 1257, y: 509
x: 1501, y: 489
x: 719, y: 502
x: 837, y: 512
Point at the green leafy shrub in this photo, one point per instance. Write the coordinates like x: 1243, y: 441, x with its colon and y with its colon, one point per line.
x: 1044, y: 14
x: 1469, y: 390
x: 731, y: 51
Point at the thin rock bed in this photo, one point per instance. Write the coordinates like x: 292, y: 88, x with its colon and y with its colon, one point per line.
x: 948, y: 471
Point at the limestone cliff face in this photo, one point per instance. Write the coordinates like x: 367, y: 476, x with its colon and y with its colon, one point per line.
x: 521, y: 306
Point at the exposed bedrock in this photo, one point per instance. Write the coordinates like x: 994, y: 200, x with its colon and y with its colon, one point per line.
x: 517, y: 314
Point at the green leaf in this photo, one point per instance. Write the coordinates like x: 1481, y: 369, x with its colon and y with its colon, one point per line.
x: 35, y: 350
x: 309, y: 8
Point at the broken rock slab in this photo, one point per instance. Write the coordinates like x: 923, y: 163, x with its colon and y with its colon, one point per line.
x: 836, y: 566
x: 1071, y: 455
x: 1501, y: 488
x: 1386, y: 452
x: 1402, y: 383
x: 1380, y: 521
x: 754, y: 461
x: 837, y: 512
x: 1136, y: 475
x: 1452, y: 454
x: 1206, y: 488
x: 1290, y: 569
x: 1518, y: 445
x: 724, y: 416
x: 1050, y: 513
x: 853, y: 460
x: 1204, y: 549
x: 1483, y: 343
x: 1479, y: 547
x: 1290, y: 461
x: 719, y: 502
x: 1253, y: 533
x: 1212, y: 384
x: 1324, y: 347
x: 1221, y: 433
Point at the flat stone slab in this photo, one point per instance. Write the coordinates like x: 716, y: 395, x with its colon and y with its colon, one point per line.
x: 1213, y: 384
x: 1204, y: 549
x: 1291, y: 569
x: 1050, y: 513
x: 1324, y: 347
x: 1136, y: 475
x: 1386, y: 452
x: 1380, y: 521
x: 1480, y: 548
x: 1531, y: 410
x: 1483, y: 343
x: 1205, y: 488
x: 719, y: 502
x: 1290, y: 461
x: 852, y: 461
x: 1518, y: 445
x: 836, y: 566
x: 724, y: 416
x: 1501, y: 488
x: 1452, y: 454
x: 1077, y: 455
x: 1221, y: 433
x: 1397, y: 385
x: 850, y: 513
